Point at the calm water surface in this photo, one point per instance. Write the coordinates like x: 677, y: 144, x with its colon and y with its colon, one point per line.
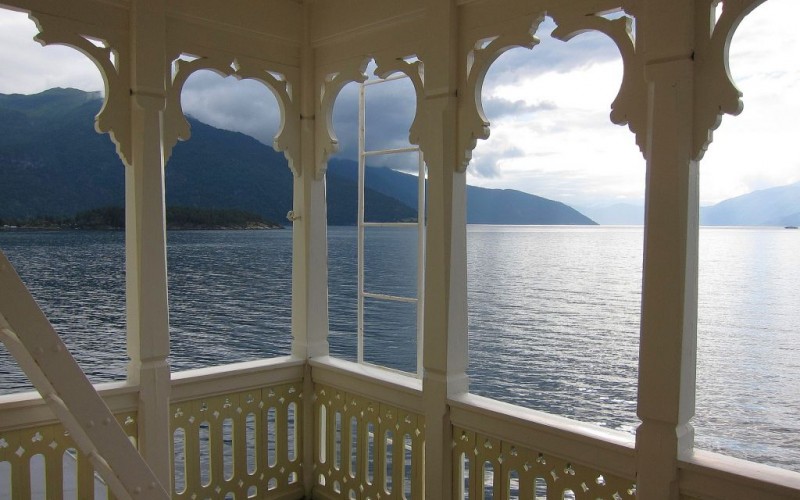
x: 554, y: 316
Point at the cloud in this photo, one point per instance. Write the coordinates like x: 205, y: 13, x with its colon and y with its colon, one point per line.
x: 390, y: 108
x: 497, y: 107
x: 562, y: 143
x: 29, y: 68
x: 757, y: 149
x: 487, y: 164
x: 519, y: 64
x: 548, y: 107
x: 245, y: 106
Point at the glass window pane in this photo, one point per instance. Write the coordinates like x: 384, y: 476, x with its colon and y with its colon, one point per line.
x: 390, y: 261
x: 390, y: 334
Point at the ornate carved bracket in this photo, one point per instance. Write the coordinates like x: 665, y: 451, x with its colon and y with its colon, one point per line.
x: 472, y: 122
x: 414, y: 70
x: 715, y: 92
x: 332, y: 83
x: 176, y: 127
x: 109, y: 52
x: 287, y: 138
x: 630, y: 105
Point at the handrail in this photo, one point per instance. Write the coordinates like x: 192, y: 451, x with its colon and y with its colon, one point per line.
x: 705, y: 474
x: 28, y: 409
x: 402, y: 390
x: 591, y: 445
x: 211, y: 381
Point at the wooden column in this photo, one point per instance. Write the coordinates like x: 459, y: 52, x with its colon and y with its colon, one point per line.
x: 145, y: 246
x: 445, y: 319
x: 667, y: 355
x: 310, y: 253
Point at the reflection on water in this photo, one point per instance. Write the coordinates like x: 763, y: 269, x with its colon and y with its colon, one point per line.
x: 562, y: 305
x: 230, y: 296
x: 554, y: 316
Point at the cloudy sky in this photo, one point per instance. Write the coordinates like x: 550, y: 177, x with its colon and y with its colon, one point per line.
x: 548, y: 107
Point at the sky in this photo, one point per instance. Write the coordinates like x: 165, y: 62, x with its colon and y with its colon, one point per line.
x: 548, y: 108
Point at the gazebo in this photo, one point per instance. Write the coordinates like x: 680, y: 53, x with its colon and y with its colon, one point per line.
x: 334, y: 428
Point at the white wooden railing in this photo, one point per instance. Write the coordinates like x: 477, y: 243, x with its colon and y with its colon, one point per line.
x: 504, y: 451
x: 38, y: 458
x: 238, y: 432
x: 369, y: 432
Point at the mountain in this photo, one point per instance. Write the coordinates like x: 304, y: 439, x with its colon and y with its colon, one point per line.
x: 484, y: 206
x: 777, y: 206
x: 79, y: 170
x: 52, y: 162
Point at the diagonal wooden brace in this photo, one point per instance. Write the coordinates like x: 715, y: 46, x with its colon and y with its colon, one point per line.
x: 44, y: 358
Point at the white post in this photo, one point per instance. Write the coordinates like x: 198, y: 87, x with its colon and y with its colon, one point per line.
x: 310, y: 254
x: 667, y: 353
x: 145, y: 245
x: 445, y: 307
x: 309, y: 292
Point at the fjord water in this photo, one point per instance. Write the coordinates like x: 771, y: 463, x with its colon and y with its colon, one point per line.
x: 554, y: 316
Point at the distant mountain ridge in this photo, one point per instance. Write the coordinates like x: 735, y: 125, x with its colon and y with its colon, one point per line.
x: 777, y: 206
x: 52, y: 162
x: 484, y: 206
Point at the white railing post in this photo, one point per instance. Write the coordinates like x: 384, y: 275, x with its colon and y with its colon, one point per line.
x: 667, y: 352
x: 145, y: 237
x: 445, y: 308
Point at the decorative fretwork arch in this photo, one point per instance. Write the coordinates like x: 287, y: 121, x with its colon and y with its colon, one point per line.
x: 327, y: 144
x: 715, y: 91
x: 629, y: 107
x: 280, y: 83
x: 108, y: 50
x: 354, y: 71
x: 413, y: 69
x: 478, y: 57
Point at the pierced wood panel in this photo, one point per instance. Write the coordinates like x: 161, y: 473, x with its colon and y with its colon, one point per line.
x: 44, y: 461
x: 365, y: 448
x: 487, y: 468
x: 242, y: 445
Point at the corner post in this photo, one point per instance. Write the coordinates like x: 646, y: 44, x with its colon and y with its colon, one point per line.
x: 667, y: 352
x: 145, y: 237
x: 310, y: 252
x: 445, y: 350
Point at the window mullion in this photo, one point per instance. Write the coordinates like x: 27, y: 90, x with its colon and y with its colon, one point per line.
x: 361, y: 168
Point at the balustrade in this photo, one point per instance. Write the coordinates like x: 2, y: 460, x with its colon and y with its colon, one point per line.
x: 368, y: 443
x: 43, y: 461
x: 226, y: 443
x: 366, y: 448
x: 238, y: 445
x: 486, y: 467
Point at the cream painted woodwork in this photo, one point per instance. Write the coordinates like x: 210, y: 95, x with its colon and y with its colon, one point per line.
x: 675, y: 89
x: 63, y: 468
x: 366, y: 448
x: 513, y: 471
x: 242, y: 444
x: 31, y: 339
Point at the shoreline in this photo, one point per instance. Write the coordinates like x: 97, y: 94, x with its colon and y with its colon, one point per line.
x: 253, y: 227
